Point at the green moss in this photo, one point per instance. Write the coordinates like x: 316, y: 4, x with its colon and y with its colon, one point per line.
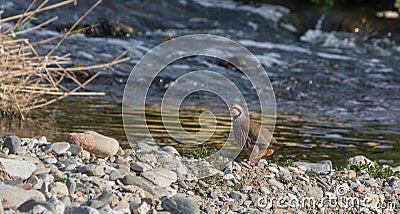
x: 283, y: 163
x: 57, y: 178
x: 374, y: 170
x: 284, y: 180
x: 200, y: 152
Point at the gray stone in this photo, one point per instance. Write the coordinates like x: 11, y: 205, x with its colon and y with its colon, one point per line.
x: 75, y: 149
x: 66, y: 201
x: 140, y: 167
x: 60, y: 147
x: 30, y: 205
x: 16, y: 196
x: 13, y: 143
x: 321, y: 168
x: 42, y: 171
x: 145, y: 148
x: 140, y: 208
x: 71, y: 185
x: 50, y: 160
x: 170, y: 150
x: 41, y: 139
x: 103, y: 146
x: 145, y: 185
x: 313, y: 192
x: 139, y: 182
x: 58, y: 189
x: 69, y: 164
x: 239, y: 197
x: 82, y: 210
x: 276, y: 183
x: 202, y: 184
x: 180, y: 204
x: 18, y: 168
x: 106, y: 197
x: 95, y: 204
x: 92, y: 169
x: 160, y: 177
x: 114, y: 175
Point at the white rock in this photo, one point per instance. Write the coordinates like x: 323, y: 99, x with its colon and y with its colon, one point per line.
x: 18, y: 168
x: 16, y: 196
x: 60, y: 147
x: 160, y: 177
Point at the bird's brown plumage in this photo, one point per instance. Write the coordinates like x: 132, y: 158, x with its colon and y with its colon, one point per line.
x: 258, y: 142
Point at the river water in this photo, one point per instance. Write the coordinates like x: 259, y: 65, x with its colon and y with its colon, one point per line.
x: 337, y: 92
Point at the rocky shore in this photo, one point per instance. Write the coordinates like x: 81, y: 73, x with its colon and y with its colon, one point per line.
x: 90, y: 173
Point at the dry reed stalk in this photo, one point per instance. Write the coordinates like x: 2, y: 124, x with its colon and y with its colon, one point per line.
x: 28, y: 78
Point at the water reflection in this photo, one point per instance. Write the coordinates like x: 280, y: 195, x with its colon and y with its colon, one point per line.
x: 305, y: 139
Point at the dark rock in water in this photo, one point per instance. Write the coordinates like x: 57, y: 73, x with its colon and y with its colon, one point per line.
x: 13, y: 143
x: 179, y: 204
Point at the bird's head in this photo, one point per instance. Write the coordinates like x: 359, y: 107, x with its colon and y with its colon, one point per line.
x: 236, y: 110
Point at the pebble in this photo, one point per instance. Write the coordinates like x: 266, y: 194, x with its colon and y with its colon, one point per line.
x: 170, y: 150
x: 276, y: 183
x: 114, y: 175
x: 50, y: 160
x: 60, y: 147
x: 239, y: 197
x: 92, y: 169
x: 313, y: 192
x: 145, y: 148
x: 140, y: 167
x: 75, y: 149
x: 180, y: 204
x: 13, y: 143
x: 83, y: 210
x: 160, y: 177
x: 58, y: 189
x: 71, y: 186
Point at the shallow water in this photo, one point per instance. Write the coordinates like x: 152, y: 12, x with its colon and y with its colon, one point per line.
x: 337, y: 92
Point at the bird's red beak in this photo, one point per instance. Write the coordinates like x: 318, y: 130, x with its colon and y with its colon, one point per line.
x: 229, y: 108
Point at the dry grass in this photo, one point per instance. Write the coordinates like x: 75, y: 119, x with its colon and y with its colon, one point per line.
x: 29, y: 80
